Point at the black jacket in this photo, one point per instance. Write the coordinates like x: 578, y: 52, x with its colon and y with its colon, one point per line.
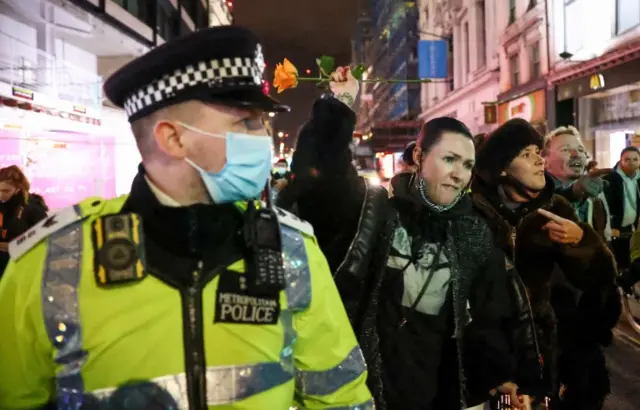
x: 614, y: 192
x: 351, y: 219
x: 424, y: 366
x: 16, y: 217
x: 573, y: 296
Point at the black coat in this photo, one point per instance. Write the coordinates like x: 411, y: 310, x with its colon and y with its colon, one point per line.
x: 614, y: 192
x: 574, y: 299
x: 422, y: 369
x: 352, y: 220
x: 16, y: 217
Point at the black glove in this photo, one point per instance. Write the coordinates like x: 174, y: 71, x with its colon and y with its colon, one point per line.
x: 587, y: 187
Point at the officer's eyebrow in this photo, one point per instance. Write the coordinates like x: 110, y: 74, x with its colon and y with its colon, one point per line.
x: 236, y: 111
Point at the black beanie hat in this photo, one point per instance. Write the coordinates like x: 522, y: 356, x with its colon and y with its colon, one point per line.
x: 503, y: 145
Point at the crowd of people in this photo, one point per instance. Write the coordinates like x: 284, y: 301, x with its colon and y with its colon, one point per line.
x: 482, y: 279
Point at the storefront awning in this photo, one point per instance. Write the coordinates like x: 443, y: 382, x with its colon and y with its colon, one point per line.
x: 621, y: 55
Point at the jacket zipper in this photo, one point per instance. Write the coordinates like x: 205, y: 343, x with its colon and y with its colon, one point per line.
x: 193, y: 342
x: 533, y: 326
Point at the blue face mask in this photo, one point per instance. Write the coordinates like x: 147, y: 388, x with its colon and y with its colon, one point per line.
x: 281, y: 171
x: 247, y: 169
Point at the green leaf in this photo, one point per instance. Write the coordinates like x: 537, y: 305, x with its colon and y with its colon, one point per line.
x: 357, y: 71
x: 325, y: 64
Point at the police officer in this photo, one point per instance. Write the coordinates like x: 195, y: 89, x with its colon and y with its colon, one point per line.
x: 179, y: 295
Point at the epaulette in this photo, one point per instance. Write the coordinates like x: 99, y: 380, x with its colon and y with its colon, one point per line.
x: 51, y: 224
x: 289, y: 219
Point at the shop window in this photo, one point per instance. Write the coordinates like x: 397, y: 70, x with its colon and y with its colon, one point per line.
x: 450, y: 66
x: 534, y: 57
x: 467, y: 49
x: 141, y: 9
x: 514, y: 70
x: 628, y: 15
x: 574, y: 13
x: 203, y: 16
x: 184, y: 29
x: 166, y: 22
x: 512, y: 11
x: 190, y: 6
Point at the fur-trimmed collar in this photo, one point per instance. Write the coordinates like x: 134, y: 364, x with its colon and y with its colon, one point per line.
x: 486, y: 196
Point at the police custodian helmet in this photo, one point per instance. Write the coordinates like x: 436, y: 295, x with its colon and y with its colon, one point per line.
x: 222, y: 64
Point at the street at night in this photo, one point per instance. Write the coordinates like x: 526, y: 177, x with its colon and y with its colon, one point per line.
x: 319, y: 204
x: 623, y: 362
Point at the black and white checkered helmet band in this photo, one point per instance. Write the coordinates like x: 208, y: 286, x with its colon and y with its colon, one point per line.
x: 227, y: 72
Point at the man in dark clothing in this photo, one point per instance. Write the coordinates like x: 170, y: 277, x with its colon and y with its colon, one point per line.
x: 623, y: 197
x: 280, y: 172
x: 350, y: 217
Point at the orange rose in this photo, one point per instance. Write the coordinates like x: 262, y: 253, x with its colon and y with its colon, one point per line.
x: 285, y: 76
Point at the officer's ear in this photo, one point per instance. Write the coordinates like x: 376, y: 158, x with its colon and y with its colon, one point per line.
x: 167, y: 136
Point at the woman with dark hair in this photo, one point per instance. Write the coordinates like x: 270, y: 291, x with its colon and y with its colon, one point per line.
x: 445, y: 309
x: 399, y: 181
x: 566, y: 268
x: 19, y: 209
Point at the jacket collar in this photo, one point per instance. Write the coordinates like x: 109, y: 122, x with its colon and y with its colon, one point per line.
x: 162, y: 198
x: 183, y: 230
x: 488, y: 200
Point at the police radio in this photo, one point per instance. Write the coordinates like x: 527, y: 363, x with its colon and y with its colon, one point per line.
x: 263, y: 245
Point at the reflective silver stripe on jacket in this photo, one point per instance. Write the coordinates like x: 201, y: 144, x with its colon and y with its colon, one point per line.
x: 322, y: 383
x: 315, y: 383
x: 61, y: 277
x: 369, y: 405
x: 296, y: 267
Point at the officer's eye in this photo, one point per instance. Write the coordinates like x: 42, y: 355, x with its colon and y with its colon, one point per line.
x: 253, y: 123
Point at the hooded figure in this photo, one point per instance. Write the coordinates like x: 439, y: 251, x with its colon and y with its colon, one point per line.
x: 350, y: 217
x: 574, y: 307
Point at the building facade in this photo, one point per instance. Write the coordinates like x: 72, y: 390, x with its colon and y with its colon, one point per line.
x: 385, y: 42
x: 54, y: 120
x: 471, y: 29
x: 595, y: 79
x: 524, y: 61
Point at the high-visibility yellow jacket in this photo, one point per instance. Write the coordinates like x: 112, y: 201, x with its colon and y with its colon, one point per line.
x: 65, y: 339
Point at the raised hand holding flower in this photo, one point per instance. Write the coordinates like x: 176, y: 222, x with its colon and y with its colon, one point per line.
x: 286, y: 75
x: 344, y: 86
